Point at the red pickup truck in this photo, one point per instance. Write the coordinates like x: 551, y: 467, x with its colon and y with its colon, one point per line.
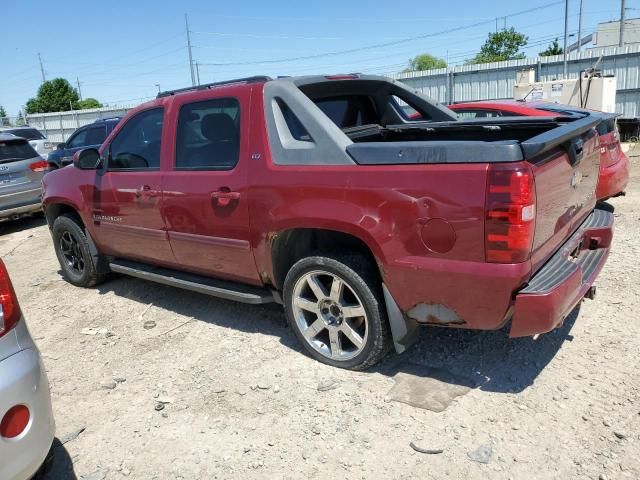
x: 320, y: 193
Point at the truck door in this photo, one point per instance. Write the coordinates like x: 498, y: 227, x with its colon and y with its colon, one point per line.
x: 205, y: 190
x: 128, y: 195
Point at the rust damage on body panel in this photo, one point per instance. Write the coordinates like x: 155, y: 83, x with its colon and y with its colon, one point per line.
x: 434, y: 313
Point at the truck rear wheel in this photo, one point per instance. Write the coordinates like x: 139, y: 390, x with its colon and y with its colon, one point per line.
x: 73, y: 252
x: 335, y: 308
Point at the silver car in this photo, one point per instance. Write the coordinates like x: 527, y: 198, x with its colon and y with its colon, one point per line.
x: 26, y: 418
x: 21, y: 172
x: 35, y: 138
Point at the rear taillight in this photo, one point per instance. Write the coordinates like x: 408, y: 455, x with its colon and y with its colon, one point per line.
x: 510, y: 213
x: 14, y: 422
x: 39, y: 166
x: 9, y: 307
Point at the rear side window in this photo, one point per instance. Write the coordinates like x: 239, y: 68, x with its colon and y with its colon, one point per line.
x: 15, y: 150
x: 208, y: 136
x: 137, y: 144
x: 296, y: 128
x: 96, y: 135
x: 28, y: 133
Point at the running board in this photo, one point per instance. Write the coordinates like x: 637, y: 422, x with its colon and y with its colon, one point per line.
x: 196, y: 283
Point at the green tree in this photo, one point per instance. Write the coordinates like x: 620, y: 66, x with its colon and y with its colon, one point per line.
x: 4, y: 120
x: 554, y: 48
x: 89, y: 103
x: 502, y: 45
x: 425, y: 62
x: 56, y: 95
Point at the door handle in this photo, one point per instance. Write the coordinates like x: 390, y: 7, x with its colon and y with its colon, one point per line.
x: 146, y: 191
x: 224, y: 196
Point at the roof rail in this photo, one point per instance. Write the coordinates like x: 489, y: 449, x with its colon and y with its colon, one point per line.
x: 108, y: 119
x: 207, y: 86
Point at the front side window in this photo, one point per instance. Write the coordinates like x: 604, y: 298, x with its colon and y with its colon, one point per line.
x: 137, y: 144
x: 78, y: 140
x: 208, y: 136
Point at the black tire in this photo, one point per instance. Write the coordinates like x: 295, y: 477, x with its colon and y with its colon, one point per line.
x: 361, y: 277
x: 67, y: 227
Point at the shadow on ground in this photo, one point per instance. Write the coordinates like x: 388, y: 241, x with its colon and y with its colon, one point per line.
x: 488, y: 360
x: 58, y: 466
x: 26, y: 223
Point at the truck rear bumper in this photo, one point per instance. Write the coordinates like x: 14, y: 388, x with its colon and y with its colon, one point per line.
x: 563, y: 281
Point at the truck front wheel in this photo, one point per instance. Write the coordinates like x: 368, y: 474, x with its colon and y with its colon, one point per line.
x: 335, y: 308
x: 73, y: 252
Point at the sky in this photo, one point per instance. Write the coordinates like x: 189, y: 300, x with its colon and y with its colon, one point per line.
x: 120, y: 51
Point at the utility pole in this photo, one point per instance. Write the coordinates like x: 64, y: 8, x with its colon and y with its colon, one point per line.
x: 566, y: 34
x: 505, y: 23
x: 79, y: 91
x: 580, y: 28
x: 158, y: 85
x: 41, y: 68
x: 193, y: 78
x: 622, y: 12
x: 198, y: 73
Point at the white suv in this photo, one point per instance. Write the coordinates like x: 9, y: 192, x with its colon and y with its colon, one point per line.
x: 36, y: 139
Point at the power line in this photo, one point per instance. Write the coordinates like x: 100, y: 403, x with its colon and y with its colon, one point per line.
x: 379, y: 45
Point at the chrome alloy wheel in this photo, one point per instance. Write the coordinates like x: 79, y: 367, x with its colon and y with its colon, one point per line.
x: 330, y: 315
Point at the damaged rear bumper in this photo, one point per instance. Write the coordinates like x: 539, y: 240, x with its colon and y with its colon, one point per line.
x: 553, y: 292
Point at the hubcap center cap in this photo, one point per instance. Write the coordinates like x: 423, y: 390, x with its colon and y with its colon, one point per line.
x: 331, y: 312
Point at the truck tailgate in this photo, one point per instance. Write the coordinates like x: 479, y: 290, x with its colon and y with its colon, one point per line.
x: 565, y: 165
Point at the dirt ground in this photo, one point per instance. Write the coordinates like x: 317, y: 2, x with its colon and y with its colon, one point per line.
x: 217, y: 389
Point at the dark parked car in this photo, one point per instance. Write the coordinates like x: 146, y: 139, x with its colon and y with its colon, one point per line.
x: 91, y: 135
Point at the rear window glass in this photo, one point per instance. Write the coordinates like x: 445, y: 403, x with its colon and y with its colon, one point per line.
x: 349, y: 111
x: 28, y: 133
x: 12, y: 151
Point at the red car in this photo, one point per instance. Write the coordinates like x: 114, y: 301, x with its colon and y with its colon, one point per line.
x: 614, y: 163
x: 319, y: 193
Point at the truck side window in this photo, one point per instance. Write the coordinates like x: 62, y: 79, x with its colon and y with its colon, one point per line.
x: 78, y: 140
x: 208, y: 136
x: 137, y: 144
x: 96, y: 135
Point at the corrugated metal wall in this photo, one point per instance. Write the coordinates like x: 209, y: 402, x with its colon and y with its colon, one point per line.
x: 493, y: 81
x: 58, y: 126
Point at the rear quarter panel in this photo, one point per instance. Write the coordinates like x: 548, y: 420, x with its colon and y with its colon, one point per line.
x: 387, y: 207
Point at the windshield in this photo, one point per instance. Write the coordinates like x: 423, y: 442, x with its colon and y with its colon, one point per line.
x: 28, y: 133
x: 13, y: 150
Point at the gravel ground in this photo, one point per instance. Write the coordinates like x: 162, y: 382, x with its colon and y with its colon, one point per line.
x: 172, y: 384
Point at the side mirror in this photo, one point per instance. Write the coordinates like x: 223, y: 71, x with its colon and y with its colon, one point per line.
x: 87, y: 159
x: 61, y: 146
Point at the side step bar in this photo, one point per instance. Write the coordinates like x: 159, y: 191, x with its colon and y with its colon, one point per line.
x: 196, y: 283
